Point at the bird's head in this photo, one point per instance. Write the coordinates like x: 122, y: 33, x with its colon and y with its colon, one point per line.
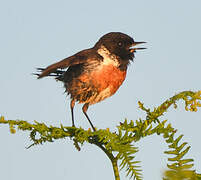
x: 119, y: 44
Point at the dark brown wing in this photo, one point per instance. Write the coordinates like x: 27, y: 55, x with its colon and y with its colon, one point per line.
x: 78, y: 58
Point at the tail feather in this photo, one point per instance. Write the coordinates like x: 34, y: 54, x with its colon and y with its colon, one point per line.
x: 53, y: 69
x: 57, y: 73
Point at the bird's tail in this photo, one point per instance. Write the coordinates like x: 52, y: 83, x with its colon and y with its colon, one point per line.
x: 58, y: 74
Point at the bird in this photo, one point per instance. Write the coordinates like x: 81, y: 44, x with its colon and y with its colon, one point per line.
x: 94, y: 74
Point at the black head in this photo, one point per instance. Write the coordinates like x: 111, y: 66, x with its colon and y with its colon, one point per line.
x: 119, y: 44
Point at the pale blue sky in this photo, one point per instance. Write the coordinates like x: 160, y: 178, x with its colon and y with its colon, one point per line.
x: 38, y: 33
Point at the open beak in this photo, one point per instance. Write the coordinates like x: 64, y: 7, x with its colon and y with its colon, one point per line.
x: 133, y: 49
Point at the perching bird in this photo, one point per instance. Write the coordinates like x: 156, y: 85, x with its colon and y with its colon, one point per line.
x: 94, y: 74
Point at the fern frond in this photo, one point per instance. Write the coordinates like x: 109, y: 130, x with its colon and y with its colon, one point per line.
x: 121, y: 143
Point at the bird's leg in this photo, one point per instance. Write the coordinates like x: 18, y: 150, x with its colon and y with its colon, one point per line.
x: 72, y: 104
x: 84, y: 109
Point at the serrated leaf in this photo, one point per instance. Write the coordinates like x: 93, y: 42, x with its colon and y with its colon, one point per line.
x: 177, y: 140
x: 181, y: 147
x: 184, y: 161
x: 187, y: 166
x: 171, y: 152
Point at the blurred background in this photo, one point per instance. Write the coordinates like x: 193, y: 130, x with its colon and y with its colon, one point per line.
x: 39, y: 33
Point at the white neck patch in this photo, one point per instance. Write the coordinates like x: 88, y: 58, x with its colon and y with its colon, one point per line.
x: 108, y: 58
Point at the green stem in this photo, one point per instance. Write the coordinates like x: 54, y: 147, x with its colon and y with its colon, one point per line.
x: 111, y: 157
x: 115, y: 169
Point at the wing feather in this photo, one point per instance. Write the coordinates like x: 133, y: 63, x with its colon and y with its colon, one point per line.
x: 78, y: 58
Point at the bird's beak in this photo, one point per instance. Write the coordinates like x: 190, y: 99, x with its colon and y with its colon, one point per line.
x: 132, y: 50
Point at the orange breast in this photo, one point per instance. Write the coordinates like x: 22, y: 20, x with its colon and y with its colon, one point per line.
x: 108, y: 76
x: 102, y: 82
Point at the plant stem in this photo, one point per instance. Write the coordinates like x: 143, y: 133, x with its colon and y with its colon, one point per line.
x: 111, y: 157
x: 115, y: 169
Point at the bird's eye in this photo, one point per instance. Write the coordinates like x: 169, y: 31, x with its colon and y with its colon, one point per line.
x: 120, y: 44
